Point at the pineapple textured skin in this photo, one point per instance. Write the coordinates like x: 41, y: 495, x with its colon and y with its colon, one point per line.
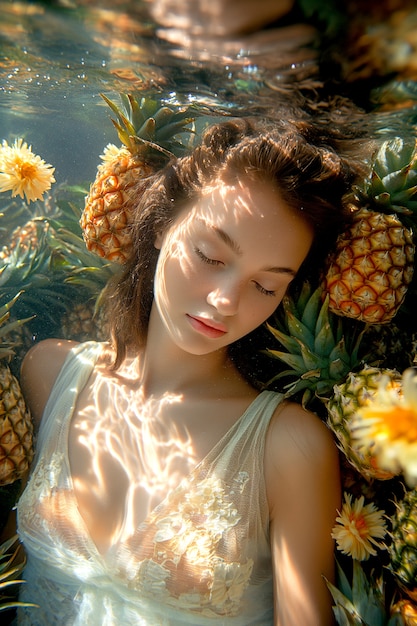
x: 356, y: 391
x: 16, y: 429
x: 368, y: 275
x: 403, y: 546
x: 109, y: 208
x: 149, y: 133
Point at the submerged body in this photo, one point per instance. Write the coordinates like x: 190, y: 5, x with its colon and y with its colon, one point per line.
x: 187, y: 544
x: 167, y: 490
x: 200, y: 555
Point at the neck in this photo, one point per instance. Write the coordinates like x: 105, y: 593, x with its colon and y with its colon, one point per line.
x: 164, y: 367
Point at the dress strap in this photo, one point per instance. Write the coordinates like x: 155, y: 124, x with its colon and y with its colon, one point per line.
x: 72, y: 377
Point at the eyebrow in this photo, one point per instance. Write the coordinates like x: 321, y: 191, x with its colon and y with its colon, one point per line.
x: 234, y: 246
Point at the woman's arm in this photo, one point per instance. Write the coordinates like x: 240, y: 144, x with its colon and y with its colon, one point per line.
x: 303, y: 487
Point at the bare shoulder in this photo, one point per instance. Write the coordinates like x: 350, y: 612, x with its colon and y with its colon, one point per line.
x: 300, y: 455
x: 39, y: 372
x: 297, y: 431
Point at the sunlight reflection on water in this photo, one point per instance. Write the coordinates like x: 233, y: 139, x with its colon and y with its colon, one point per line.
x: 55, y: 60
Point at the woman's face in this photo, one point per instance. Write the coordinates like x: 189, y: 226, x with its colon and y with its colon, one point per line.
x: 226, y: 263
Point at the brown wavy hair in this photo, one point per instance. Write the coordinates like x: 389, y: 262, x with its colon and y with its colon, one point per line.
x: 302, y: 162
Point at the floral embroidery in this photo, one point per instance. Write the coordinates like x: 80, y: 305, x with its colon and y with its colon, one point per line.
x: 41, y: 484
x: 45, y: 477
x: 229, y: 583
x: 151, y: 577
x: 186, y: 543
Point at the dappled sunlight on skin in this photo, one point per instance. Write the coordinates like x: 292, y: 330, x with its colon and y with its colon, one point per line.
x: 289, y: 613
x: 227, y: 261
x: 125, y: 456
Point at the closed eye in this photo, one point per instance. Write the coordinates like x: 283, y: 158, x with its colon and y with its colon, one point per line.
x: 205, y: 258
x: 266, y: 292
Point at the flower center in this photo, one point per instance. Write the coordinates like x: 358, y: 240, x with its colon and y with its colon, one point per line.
x: 27, y: 170
x: 360, y: 524
x: 400, y: 423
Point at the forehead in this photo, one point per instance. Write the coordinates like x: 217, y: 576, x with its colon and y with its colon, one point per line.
x: 246, y: 201
x: 251, y: 218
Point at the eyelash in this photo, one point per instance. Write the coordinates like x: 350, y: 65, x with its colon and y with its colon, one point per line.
x: 265, y: 292
x: 206, y: 259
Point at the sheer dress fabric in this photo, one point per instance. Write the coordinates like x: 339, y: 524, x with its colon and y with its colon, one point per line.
x: 201, y: 557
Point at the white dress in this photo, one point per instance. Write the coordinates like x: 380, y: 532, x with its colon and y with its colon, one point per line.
x: 201, y: 557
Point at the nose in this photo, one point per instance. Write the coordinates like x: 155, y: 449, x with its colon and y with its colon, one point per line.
x: 225, y: 298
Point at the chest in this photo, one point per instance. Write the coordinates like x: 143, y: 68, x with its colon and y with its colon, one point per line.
x: 126, y: 455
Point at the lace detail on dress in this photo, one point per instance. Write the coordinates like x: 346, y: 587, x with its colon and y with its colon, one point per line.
x: 42, y: 484
x: 187, y: 535
x: 44, y: 480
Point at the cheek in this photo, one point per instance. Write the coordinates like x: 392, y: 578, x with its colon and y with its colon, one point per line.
x: 260, y: 309
x: 175, y: 274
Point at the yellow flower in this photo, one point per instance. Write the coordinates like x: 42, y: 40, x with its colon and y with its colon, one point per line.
x: 22, y: 172
x: 387, y: 427
x: 358, y: 527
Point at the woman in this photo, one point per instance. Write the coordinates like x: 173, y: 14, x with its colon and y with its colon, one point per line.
x: 167, y: 489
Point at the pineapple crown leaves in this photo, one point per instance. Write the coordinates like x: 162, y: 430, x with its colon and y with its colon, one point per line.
x: 10, y: 572
x: 148, y: 127
x: 6, y: 351
x: 360, y: 603
x: 39, y: 272
x: 392, y: 183
x: 26, y: 267
x: 320, y: 349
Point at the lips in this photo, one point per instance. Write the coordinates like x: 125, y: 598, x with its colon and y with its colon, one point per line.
x: 207, y: 327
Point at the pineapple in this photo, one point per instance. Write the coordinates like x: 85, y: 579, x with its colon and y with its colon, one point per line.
x: 403, y: 547
x: 392, y: 183
x: 16, y: 428
x: 24, y: 237
x: 84, y: 322
x: 54, y: 272
x: 379, y: 41
x: 368, y: 274
x: 320, y: 348
x: 12, y: 215
x: 392, y: 345
x: 148, y: 131
x: 358, y: 390
x: 406, y: 610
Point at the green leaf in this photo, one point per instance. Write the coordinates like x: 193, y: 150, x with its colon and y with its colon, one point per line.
x: 300, y: 331
x: 383, y: 198
x: 303, y: 298
x: 288, y: 306
x: 339, y: 353
x: 393, y: 155
x: 295, y: 361
x: 311, y: 309
x: 375, y: 184
x: 289, y: 343
x: 395, y: 181
x: 404, y: 195
x: 367, y: 597
x: 344, y: 606
x: 324, y: 341
x: 311, y: 360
